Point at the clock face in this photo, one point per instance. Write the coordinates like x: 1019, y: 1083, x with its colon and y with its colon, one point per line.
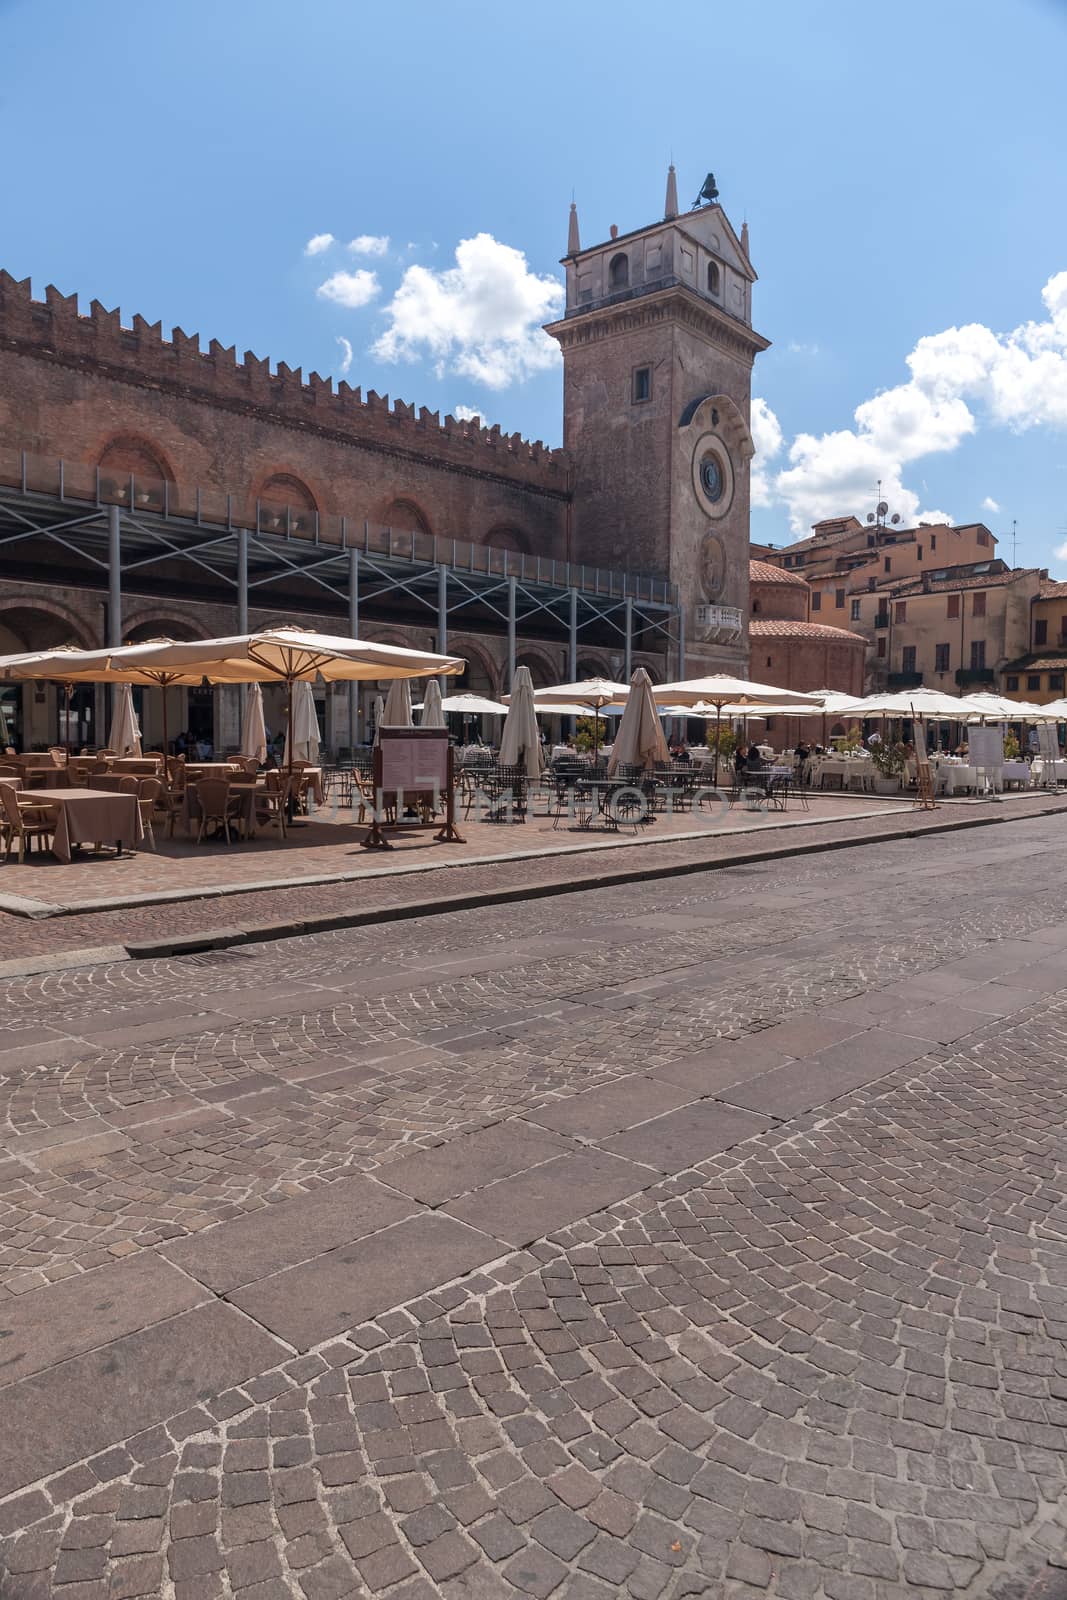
x: 711, y: 478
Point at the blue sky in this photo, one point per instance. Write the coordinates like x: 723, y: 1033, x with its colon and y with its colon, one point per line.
x: 901, y: 170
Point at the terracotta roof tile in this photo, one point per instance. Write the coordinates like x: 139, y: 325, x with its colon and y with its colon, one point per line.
x: 760, y: 627
x: 764, y: 572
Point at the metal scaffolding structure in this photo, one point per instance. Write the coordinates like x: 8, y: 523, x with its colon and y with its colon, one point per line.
x: 57, y: 524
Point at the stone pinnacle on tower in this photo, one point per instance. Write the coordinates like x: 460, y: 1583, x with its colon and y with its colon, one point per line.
x: 670, y: 210
x: 574, y: 244
x: 744, y: 238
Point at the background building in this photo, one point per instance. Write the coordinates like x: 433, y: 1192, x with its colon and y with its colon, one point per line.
x: 149, y: 486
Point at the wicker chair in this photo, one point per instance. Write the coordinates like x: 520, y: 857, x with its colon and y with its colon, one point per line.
x: 271, y: 800
x: 24, y: 822
x: 149, y: 796
x: 216, y: 805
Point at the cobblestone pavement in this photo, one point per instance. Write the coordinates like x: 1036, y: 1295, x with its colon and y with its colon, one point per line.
x: 703, y: 1236
x: 449, y: 878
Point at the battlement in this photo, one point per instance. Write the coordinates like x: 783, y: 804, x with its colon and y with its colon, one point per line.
x: 55, y: 328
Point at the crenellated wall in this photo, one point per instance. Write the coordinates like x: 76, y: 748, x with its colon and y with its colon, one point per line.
x: 71, y: 384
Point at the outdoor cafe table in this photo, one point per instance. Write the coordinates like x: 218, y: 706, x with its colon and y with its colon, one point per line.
x: 1059, y: 769
x: 1016, y: 772
x: 952, y: 775
x: 90, y: 816
x: 246, y: 816
x: 195, y: 770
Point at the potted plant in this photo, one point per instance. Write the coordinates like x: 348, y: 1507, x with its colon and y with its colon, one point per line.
x: 1011, y: 746
x: 724, y: 740
x: 890, y: 761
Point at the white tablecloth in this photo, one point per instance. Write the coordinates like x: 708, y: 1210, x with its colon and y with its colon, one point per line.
x: 1016, y: 772
x: 854, y: 773
x: 952, y: 776
x: 1038, y: 770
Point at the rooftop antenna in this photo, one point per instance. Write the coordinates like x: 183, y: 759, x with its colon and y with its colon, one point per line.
x: 1014, y: 540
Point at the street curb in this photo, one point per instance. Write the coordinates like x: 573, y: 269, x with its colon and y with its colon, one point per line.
x: 258, y: 933
x: 18, y: 906
x: 63, y: 961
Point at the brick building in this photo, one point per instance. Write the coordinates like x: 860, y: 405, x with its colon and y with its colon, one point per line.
x: 791, y: 651
x: 149, y: 486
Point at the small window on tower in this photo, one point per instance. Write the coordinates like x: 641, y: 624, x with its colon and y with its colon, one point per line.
x: 619, y: 272
x: 713, y: 278
x: 642, y: 384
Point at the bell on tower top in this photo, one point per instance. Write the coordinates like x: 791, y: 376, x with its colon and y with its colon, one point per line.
x: 708, y: 194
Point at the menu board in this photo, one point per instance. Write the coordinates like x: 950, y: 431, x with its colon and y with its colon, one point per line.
x: 413, y: 759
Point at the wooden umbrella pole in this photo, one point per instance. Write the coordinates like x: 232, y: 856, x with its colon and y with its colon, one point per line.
x: 163, y: 686
x: 718, y: 719
x: 69, y: 688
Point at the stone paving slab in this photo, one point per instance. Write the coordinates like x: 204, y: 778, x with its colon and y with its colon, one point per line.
x: 522, y: 1208
x: 684, y: 1138
x: 87, y: 1403
x: 330, y: 1292
x: 87, y: 1312
x: 471, y: 1162
x: 267, y: 1241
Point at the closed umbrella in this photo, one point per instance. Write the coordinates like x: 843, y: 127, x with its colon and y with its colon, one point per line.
x: 397, y: 713
x: 639, y: 740
x: 432, y: 713
x: 378, y: 714
x: 125, y: 737
x: 305, y: 727
x: 520, y: 742
x: 253, y: 724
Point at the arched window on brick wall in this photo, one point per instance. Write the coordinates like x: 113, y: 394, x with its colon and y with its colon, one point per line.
x: 508, y: 538
x: 407, y: 515
x: 619, y: 271
x: 285, y: 501
x: 129, y: 456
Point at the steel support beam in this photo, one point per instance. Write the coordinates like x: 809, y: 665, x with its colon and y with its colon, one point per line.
x: 242, y: 580
x: 353, y: 628
x: 513, y: 584
x: 114, y: 576
x: 572, y: 645
x: 629, y: 655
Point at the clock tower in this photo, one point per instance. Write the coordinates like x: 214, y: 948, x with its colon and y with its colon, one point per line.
x: 658, y: 347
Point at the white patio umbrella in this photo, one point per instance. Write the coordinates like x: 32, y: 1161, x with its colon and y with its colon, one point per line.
x: 293, y: 655
x: 919, y: 702
x: 124, y: 664
x: 581, y: 698
x: 639, y: 740
x: 474, y: 705
x: 721, y: 690
x: 304, y: 727
x: 432, y: 714
x: 1056, y: 709
x: 254, y: 724
x: 996, y: 708
x: 125, y: 733
x: 520, y: 741
x: 397, y: 713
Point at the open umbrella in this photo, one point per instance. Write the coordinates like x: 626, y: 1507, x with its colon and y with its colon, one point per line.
x: 397, y: 713
x: 721, y: 690
x: 304, y: 728
x: 293, y: 655
x: 124, y: 664
x: 432, y: 714
x: 639, y: 740
x: 253, y: 724
x: 520, y: 741
x: 124, y: 736
x: 473, y: 705
x: 588, y: 695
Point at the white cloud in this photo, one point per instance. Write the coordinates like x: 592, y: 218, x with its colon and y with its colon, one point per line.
x: 958, y: 378
x: 351, y: 289
x: 989, y: 504
x: 346, y: 355
x: 1060, y: 551
x: 797, y: 348
x: 480, y: 318
x: 316, y: 246
x: 768, y: 439
x: 369, y: 244
x: 466, y: 413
